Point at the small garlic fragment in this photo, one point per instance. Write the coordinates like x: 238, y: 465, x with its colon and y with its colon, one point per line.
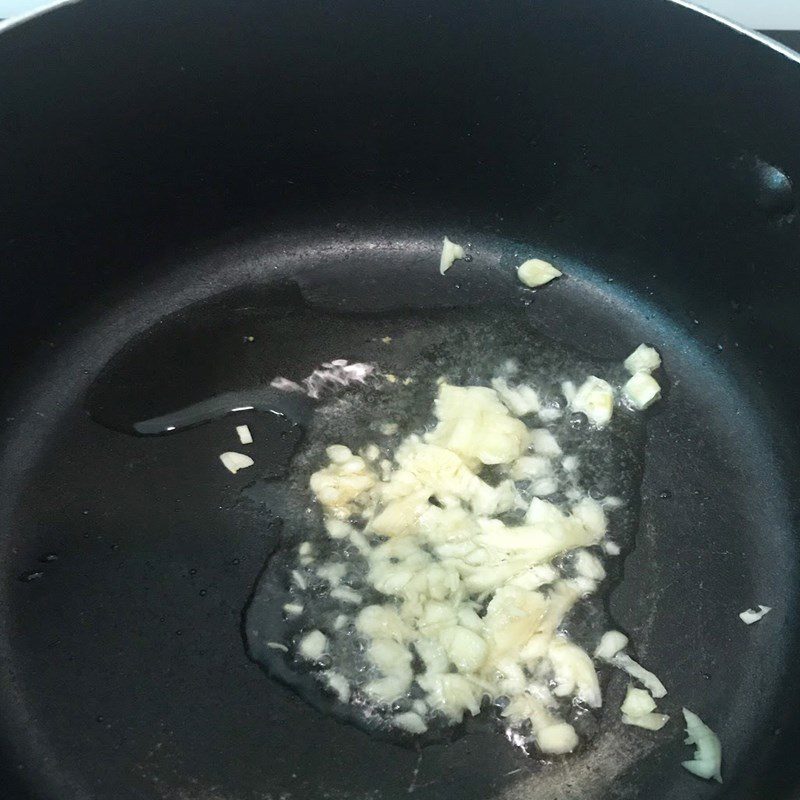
x: 543, y: 487
x: 338, y: 684
x: 707, y: 759
x: 570, y: 463
x: 610, y: 649
x: 245, y: 437
x: 450, y: 253
x: 312, y: 645
x: 332, y: 572
x: 639, y: 709
x: 611, y: 548
x: 338, y: 453
x: 306, y: 553
x: 411, y: 722
x: 550, y: 413
x: 589, y: 565
x: 371, y: 452
x: 536, y: 272
x: 650, y: 722
x: 233, y: 462
x: 544, y: 443
x: 610, y: 644
x: 520, y: 401
x: 277, y: 646
x: 299, y: 579
x: 346, y: 595
x: 569, y: 390
x: 637, y: 702
x: 643, y: 359
x: 624, y: 662
x: 642, y: 390
x: 340, y: 621
x: 752, y: 615
x: 595, y: 398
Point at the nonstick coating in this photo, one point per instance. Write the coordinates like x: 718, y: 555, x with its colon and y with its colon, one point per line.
x: 166, y: 166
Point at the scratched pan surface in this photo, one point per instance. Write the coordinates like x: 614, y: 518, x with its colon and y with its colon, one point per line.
x: 177, y: 179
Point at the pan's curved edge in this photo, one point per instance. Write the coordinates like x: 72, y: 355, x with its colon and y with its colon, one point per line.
x: 12, y: 22
x: 779, y: 48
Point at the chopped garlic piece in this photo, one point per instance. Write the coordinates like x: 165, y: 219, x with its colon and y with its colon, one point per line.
x: 558, y: 738
x: 340, y: 622
x: 610, y: 649
x: 611, y: 502
x: 535, y: 272
x: 542, y: 487
x: 299, y: 579
x: 338, y: 453
x: 531, y: 467
x: 243, y: 432
x: 333, y: 573
x: 371, y: 452
x: 610, y: 644
x: 544, y: 443
x: 639, y: 709
x: 540, y: 511
x: 305, y: 548
x: 277, y: 646
x: 293, y: 609
x: 338, y: 684
x: 347, y: 595
x: 570, y: 463
x: 637, y: 702
x: 389, y: 689
x: 312, y: 646
x: 306, y: 553
x: 451, y: 694
x: 707, y: 761
x: 382, y: 622
x: 643, y: 359
x: 389, y: 428
x: 233, y: 462
x: 589, y: 565
x: 464, y: 648
x: 573, y: 673
x: 450, y: 253
x: 410, y: 721
x: 338, y: 529
x: 642, y: 390
x: 420, y: 706
x: 552, y: 736
x: 343, y: 486
x: 474, y: 424
x: 645, y: 677
x: 550, y: 413
x: 651, y: 722
x: 520, y: 401
x: 569, y: 390
x: 595, y: 398
x: 752, y: 615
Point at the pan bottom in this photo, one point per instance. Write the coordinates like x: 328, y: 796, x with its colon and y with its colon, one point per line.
x: 129, y: 674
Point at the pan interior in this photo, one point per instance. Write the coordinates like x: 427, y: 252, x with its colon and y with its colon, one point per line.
x: 128, y: 560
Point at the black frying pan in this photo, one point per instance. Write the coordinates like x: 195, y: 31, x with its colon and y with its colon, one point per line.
x: 176, y: 176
